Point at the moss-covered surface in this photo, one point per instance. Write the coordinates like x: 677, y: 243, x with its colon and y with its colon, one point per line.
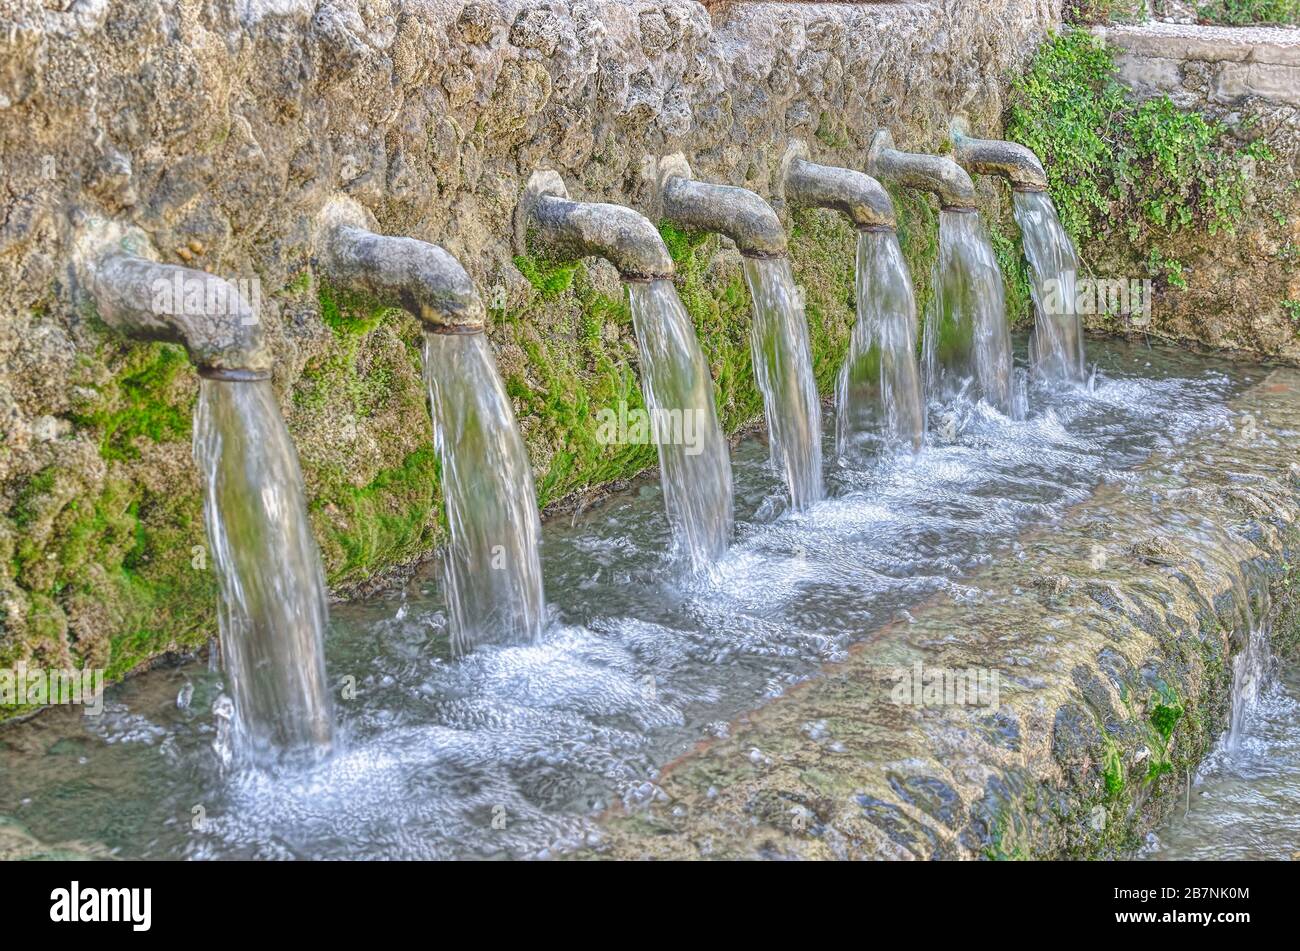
x: 371, y: 501
x: 1285, y: 594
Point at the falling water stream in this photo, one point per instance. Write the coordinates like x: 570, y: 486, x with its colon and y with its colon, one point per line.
x: 967, y: 343
x: 1056, y: 350
x: 514, y: 750
x: 271, y: 610
x: 492, y: 571
x: 879, y: 391
x: 693, y: 463
x: 784, y: 373
x: 1244, y: 800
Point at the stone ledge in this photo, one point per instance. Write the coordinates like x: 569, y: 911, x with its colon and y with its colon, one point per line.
x: 1211, y: 44
x: 1243, y: 62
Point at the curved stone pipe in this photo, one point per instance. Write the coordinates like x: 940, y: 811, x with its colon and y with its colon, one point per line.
x: 1009, y: 160
x: 148, y: 300
x: 548, y: 219
x: 738, y: 213
x: 856, y: 195
x: 414, y: 275
x: 933, y: 173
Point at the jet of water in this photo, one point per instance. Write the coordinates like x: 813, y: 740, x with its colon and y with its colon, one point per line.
x: 272, y: 612
x: 966, y: 335
x: 783, y: 370
x: 695, y: 466
x: 879, y: 392
x: 1251, y: 669
x: 492, y: 571
x: 1057, y: 350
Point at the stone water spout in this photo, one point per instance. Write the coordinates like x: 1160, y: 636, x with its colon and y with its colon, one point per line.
x: 419, y: 277
x: 148, y: 300
x: 272, y: 610
x: 676, y: 382
x: 738, y: 213
x: 549, y: 221
x: 1009, y: 160
x: 933, y: 173
x: 492, y: 569
x: 782, y: 355
x: 855, y: 195
x: 878, y: 394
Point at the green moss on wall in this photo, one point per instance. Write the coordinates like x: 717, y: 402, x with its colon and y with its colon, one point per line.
x: 1146, y: 173
x: 368, y: 515
x: 389, y: 521
x: 1285, y: 595
x: 99, y: 573
x: 823, y: 252
x: 577, y: 358
x: 147, y: 400
x: 1166, y: 711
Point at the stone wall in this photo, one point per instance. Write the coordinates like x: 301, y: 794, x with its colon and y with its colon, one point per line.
x: 1243, y: 288
x: 220, y: 129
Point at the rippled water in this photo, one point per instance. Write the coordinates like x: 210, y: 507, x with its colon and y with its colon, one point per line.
x: 511, y: 751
